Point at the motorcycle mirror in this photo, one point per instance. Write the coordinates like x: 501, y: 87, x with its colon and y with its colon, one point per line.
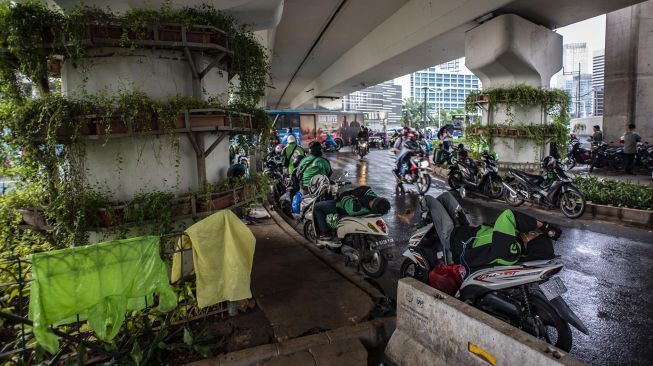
x: 462, y: 192
x: 346, y: 174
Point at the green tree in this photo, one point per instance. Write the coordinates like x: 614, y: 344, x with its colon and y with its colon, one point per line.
x: 412, y: 113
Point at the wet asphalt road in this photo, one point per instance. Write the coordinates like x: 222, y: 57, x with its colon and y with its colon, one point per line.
x: 608, y: 267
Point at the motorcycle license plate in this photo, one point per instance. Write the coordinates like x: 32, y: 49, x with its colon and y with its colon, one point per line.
x: 553, y: 288
x: 385, y: 243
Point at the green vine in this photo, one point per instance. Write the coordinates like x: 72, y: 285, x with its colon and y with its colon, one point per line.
x: 553, y: 102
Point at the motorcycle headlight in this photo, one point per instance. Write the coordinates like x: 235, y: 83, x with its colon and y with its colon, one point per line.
x: 424, y: 164
x: 364, y: 144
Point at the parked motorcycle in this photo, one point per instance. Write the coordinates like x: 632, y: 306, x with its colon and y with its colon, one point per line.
x: 417, y: 173
x: 465, y: 174
x: 525, y: 295
x: 645, y: 156
x: 605, y: 156
x: 365, y: 239
x: 362, y: 148
x: 576, y: 155
x: 273, y: 169
x: 330, y: 144
x: 555, y: 189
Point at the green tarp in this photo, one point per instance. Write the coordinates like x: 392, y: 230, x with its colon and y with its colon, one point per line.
x: 98, y: 282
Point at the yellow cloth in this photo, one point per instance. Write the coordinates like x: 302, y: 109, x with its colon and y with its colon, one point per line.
x: 223, y: 252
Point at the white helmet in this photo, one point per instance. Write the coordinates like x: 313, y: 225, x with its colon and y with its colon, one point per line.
x: 318, y: 183
x: 291, y: 139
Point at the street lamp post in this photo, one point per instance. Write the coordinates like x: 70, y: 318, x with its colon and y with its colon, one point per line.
x: 436, y: 90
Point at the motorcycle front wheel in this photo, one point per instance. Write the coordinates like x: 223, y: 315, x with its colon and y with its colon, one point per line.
x: 513, y: 200
x: 494, y: 187
x: 374, y: 266
x: 309, y: 231
x: 572, y: 203
x: 556, y: 330
x: 408, y: 269
x: 455, y: 181
x: 423, y: 184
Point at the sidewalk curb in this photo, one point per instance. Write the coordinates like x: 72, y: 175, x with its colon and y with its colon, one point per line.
x: 337, y: 265
x: 618, y: 215
x: 372, y: 334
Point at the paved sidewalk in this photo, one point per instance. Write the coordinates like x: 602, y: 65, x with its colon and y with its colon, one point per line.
x: 639, y: 178
x: 318, y: 311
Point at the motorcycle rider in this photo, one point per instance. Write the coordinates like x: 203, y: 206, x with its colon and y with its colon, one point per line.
x: 290, y: 154
x: 408, y: 148
x: 312, y: 165
x: 359, y: 201
x: 513, y: 237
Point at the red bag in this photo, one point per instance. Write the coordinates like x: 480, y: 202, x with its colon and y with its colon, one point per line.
x: 447, y: 278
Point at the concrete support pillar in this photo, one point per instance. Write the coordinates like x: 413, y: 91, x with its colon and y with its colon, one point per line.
x: 629, y: 72
x: 509, y: 51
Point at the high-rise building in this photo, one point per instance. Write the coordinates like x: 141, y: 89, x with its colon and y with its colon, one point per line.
x: 445, y: 86
x: 378, y: 102
x: 574, y: 55
x: 598, y: 70
x: 580, y: 105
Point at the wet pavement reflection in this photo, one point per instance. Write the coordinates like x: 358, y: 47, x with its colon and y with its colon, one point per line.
x: 608, y: 267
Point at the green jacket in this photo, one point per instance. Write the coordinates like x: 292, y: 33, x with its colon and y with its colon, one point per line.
x: 355, y: 202
x: 313, y: 165
x: 290, y: 152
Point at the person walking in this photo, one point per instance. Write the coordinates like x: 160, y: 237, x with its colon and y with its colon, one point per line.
x: 597, y: 136
x: 631, y: 138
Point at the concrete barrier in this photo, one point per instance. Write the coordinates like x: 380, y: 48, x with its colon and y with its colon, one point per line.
x: 436, y: 329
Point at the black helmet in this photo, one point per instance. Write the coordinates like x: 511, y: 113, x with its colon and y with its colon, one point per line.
x: 315, y: 148
x: 548, y: 163
x: 380, y: 206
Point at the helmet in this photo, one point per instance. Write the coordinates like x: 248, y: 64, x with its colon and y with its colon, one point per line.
x: 318, y: 183
x: 278, y: 149
x: 315, y: 148
x: 291, y: 139
x: 380, y: 206
x: 447, y: 278
x: 548, y: 163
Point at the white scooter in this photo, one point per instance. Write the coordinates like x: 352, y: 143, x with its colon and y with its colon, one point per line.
x: 525, y: 295
x: 364, y: 240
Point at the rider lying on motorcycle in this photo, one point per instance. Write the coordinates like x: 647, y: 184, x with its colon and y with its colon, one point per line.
x: 359, y: 201
x: 513, y: 237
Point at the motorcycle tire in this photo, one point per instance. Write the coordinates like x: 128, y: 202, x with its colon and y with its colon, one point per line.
x: 552, y: 322
x: 455, y: 181
x: 507, y: 196
x: 339, y: 144
x: 423, y: 187
x: 377, y: 269
x: 309, y: 232
x: 494, y: 187
x: 564, y: 200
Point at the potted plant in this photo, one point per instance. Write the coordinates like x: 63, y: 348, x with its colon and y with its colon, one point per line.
x: 182, y: 207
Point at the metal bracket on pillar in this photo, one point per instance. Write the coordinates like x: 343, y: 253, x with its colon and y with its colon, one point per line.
x: 210, y: 66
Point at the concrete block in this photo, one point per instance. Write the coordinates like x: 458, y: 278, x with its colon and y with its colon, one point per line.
x: 447, y: 329
x: 640, y: 217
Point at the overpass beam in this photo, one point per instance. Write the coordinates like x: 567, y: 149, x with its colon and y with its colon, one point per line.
x: 508, y: 51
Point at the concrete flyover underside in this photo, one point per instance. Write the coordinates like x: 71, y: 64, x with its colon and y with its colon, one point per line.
x: 334, y: 47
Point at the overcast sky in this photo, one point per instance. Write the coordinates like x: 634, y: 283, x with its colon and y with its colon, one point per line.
x: 591, y: 31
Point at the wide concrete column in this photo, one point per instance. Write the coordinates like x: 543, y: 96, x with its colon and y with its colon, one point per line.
x: 508, y: 51
x: 629, y: 72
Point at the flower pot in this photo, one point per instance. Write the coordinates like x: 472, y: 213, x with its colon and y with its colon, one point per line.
x: 215, y: 202
x: 182, y: 207
x: 108, y: 217
x: 106, y: 32
x: 113, y: 127
x: 33, y: 217
x: 145, y: 126
x: 219, y: 39
x: 206, y: 120
x: 169, y: 35
x: 198, y: 37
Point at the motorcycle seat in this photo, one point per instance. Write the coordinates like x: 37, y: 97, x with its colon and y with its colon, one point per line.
x: 532, y: 178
